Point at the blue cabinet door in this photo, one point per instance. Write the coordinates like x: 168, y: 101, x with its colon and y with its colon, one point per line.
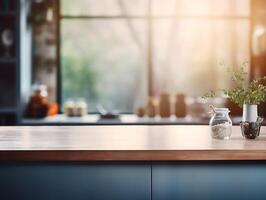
x: 72, y: 181
x: 209, y: 181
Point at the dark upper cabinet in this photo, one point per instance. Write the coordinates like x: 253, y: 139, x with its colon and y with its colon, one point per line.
x: 15, y: 59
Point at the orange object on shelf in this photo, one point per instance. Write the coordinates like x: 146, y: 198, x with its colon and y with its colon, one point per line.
x: 53, y: 109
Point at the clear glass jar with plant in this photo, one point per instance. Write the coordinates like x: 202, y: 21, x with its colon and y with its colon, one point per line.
x: 247, y: 95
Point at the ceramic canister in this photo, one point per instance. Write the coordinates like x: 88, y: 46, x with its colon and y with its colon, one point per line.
x: 250, y: 113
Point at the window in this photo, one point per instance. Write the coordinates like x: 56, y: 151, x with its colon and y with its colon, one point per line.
x: 118, y: 52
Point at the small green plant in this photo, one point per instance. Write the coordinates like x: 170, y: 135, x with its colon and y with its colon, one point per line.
x: 254, y: 93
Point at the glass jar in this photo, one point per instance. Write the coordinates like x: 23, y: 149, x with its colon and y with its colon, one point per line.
x: 221, y: 124
x: 81, y: 108
x: 75, y: 108
x: 69, y: 108
x: 38, y: 105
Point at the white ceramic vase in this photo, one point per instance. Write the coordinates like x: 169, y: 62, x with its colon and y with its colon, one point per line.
x: 250, y: 113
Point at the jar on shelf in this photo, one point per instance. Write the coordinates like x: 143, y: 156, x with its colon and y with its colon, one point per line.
x: 75, y: 108
x: 165, y: 105
x: 151, y: 108
x: 38, y: 105
x: 221, y: 124
x: 180, y: 106
x: 81, y: 108
x: 140, y: 112
x: 69, y: 108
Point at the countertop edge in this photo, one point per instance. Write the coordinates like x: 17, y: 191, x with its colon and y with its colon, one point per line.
x: 131, y: 155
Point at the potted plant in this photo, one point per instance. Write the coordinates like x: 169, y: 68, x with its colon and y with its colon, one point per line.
x: 247, y: 96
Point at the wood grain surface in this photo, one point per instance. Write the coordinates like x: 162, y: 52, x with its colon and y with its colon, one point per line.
x: 125, y: 143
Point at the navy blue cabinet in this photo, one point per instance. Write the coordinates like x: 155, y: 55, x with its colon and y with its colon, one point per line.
x: 133, y: 181
x: 214, y: 181
x: 75, y: 181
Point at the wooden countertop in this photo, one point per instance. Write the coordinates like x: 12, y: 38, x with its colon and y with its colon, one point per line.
x: 125, y: 143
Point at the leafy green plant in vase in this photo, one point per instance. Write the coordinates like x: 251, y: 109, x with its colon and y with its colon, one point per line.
x: 247, y: 96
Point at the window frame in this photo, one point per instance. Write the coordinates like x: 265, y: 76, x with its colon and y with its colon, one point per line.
x: 149, y: 19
